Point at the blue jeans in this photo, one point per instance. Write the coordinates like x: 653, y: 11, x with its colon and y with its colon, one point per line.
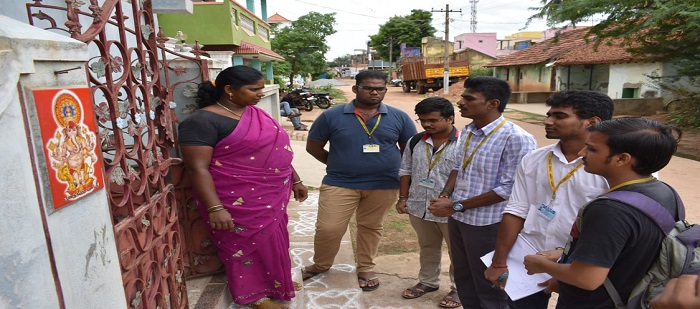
x: 296, y: 121
x: 286, y: 108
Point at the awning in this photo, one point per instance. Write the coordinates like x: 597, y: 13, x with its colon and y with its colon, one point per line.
x: 257, y: 52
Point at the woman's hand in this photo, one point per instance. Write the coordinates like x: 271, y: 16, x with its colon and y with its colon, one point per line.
x: 221, y: 220
x: 300, y: 192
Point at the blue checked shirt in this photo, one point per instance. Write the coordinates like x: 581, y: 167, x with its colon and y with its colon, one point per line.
x: 492, y: 168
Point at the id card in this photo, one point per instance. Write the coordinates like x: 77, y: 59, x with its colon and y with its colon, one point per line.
x: 370, y: 148
x: 427, y: 183
x: 546, y: 211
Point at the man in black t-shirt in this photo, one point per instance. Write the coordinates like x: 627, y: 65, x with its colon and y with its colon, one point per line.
x: 615, y: 241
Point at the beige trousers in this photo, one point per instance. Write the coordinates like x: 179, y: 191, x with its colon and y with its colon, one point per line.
x: 430, y: 236
x: 336, y: 206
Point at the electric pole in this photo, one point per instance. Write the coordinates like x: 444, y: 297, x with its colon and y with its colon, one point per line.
x: 391, y: 51
x: 446, y: 74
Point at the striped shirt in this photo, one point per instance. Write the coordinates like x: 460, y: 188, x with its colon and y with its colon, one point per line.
x: 415, y: 164
x: 492, y: 168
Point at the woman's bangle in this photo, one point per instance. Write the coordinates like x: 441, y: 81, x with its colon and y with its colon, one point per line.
x: 297, y: 182
x: 445, y: 193
x: 215, y: 208
x: 493, y: 265
x: 212, y: 206
x: 403, y: 197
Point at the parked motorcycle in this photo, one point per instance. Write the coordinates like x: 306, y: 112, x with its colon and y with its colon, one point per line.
x: 303, y: 99
x: 323, y: 99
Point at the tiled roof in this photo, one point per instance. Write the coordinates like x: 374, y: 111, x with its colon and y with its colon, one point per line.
x: 277, y: 18
x: 248, y: 48
x: 545, y: 50
x: 603, y: 53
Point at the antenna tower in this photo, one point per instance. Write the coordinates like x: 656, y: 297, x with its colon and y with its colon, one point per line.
x: 473, y: 23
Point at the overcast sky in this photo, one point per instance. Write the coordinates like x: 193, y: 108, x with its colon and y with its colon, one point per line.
x: 356, y: 20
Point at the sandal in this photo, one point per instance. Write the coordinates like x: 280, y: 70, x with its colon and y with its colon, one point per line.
x: 366, y: 287
x: 451, y: 300
x: 417, y: 290
x: 308, y: 274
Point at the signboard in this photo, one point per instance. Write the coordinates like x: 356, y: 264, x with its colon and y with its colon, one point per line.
x: 454, y: 72
x: 69, y: 139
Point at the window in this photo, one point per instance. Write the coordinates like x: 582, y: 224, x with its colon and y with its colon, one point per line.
x: 263, y: 33
x: 630, y: 93
x: 248, y: 24
x: 234, y: 16
x: 507, y: 73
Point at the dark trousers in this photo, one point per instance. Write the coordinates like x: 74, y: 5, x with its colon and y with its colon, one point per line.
x: 469, y: 244
x: 539, y: 300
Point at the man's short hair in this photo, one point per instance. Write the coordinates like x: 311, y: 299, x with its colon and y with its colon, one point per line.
x: 491, y: 88
x: 586, y: 104
x: 435, y: 104
x: 650, y: 142
x: 369, y: 75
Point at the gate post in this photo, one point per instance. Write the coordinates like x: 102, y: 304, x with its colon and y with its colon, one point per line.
x: 54, y: 258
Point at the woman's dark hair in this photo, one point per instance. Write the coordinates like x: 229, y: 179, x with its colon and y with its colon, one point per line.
x: 586, y: 104
x: 235, y: 76
x: 650, y: 142
x: 491, y: 87
x: 435, y: 104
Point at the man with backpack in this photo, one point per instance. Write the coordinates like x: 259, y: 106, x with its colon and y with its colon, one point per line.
x: 425, y: 166
x: 614, y: 241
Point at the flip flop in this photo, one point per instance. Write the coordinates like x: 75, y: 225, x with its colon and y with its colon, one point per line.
x: 308, y: 274
x: 366, y: 281
x: 418, y: 290
x: 451, y: 297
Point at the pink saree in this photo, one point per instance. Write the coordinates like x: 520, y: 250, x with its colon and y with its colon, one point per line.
x: 252, y: 172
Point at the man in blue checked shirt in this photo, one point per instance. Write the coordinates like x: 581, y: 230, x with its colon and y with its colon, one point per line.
x: 479, y: 186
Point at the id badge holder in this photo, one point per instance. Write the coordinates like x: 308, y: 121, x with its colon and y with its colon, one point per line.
x: 546, y: 212
x: 370, y: 148
x: 427, y: 183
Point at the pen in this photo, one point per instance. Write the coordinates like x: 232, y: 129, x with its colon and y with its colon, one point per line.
x: 503, y: 277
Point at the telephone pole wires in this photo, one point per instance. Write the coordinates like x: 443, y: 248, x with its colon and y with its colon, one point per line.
x: 446, y: 74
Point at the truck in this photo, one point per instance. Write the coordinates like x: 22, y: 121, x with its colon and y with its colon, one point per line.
x: 425, y: 70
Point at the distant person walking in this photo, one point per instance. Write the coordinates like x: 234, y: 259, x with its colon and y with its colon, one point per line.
x: 362, y: 168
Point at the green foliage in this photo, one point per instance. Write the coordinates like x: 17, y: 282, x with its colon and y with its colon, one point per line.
x: 345, y: 60
x: 337, y: 94
x: 655, y: 30
x: 303, y: 45
x: 279, y: 81
x: 481, y: 72
x: 409, y: 29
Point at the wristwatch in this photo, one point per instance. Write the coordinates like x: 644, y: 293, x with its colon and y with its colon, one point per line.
x: 457, y: 206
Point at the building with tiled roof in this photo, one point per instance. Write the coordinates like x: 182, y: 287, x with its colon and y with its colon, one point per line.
x: 570, y: 62
x: 279, y: 21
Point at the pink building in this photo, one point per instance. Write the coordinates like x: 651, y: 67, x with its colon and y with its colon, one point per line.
x: 485, y: 43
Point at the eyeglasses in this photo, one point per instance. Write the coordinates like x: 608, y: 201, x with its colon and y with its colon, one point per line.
x: 370, y: 89
x: 419, y: 121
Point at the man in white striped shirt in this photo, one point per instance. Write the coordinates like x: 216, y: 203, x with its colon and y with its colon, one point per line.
x: 482, y: 181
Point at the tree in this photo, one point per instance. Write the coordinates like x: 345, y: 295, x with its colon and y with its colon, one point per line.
x: 303, y: 44
x: 345, y: 60
x: 657, y: 30
x: 409, y: 29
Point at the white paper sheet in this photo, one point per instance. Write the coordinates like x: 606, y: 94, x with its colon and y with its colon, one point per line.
x: 519, y: 283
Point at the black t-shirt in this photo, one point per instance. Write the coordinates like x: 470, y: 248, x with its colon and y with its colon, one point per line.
x: 621, y: 238
x: 204, y: 128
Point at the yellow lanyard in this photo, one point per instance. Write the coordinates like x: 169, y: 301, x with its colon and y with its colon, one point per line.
x: 631, y: 182
x: 376, y: 124
x: 550, y: 173
x: 428, y: 155
x: 468, y: 160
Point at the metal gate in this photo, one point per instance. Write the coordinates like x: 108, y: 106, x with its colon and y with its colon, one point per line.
x: 134, y: 80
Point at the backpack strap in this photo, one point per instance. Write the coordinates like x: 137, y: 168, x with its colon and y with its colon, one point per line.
x: 415, y: 139
x: 648, y: 206
x: 652, y: 209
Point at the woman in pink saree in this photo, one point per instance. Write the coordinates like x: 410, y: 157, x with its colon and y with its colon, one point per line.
x: 240, y: 161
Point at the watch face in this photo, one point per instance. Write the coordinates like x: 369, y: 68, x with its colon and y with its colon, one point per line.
x: 457, y: 206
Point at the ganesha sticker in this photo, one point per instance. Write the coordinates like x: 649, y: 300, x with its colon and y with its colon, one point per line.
x: 68, y: 131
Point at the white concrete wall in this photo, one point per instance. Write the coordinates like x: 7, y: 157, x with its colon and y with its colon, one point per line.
x: 632, y: 73
x: 81, y: 234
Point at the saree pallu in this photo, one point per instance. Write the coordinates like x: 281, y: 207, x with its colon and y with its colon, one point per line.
x: 252, y: 172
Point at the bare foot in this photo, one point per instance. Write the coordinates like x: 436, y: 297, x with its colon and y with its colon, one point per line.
x: 268, y: 304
